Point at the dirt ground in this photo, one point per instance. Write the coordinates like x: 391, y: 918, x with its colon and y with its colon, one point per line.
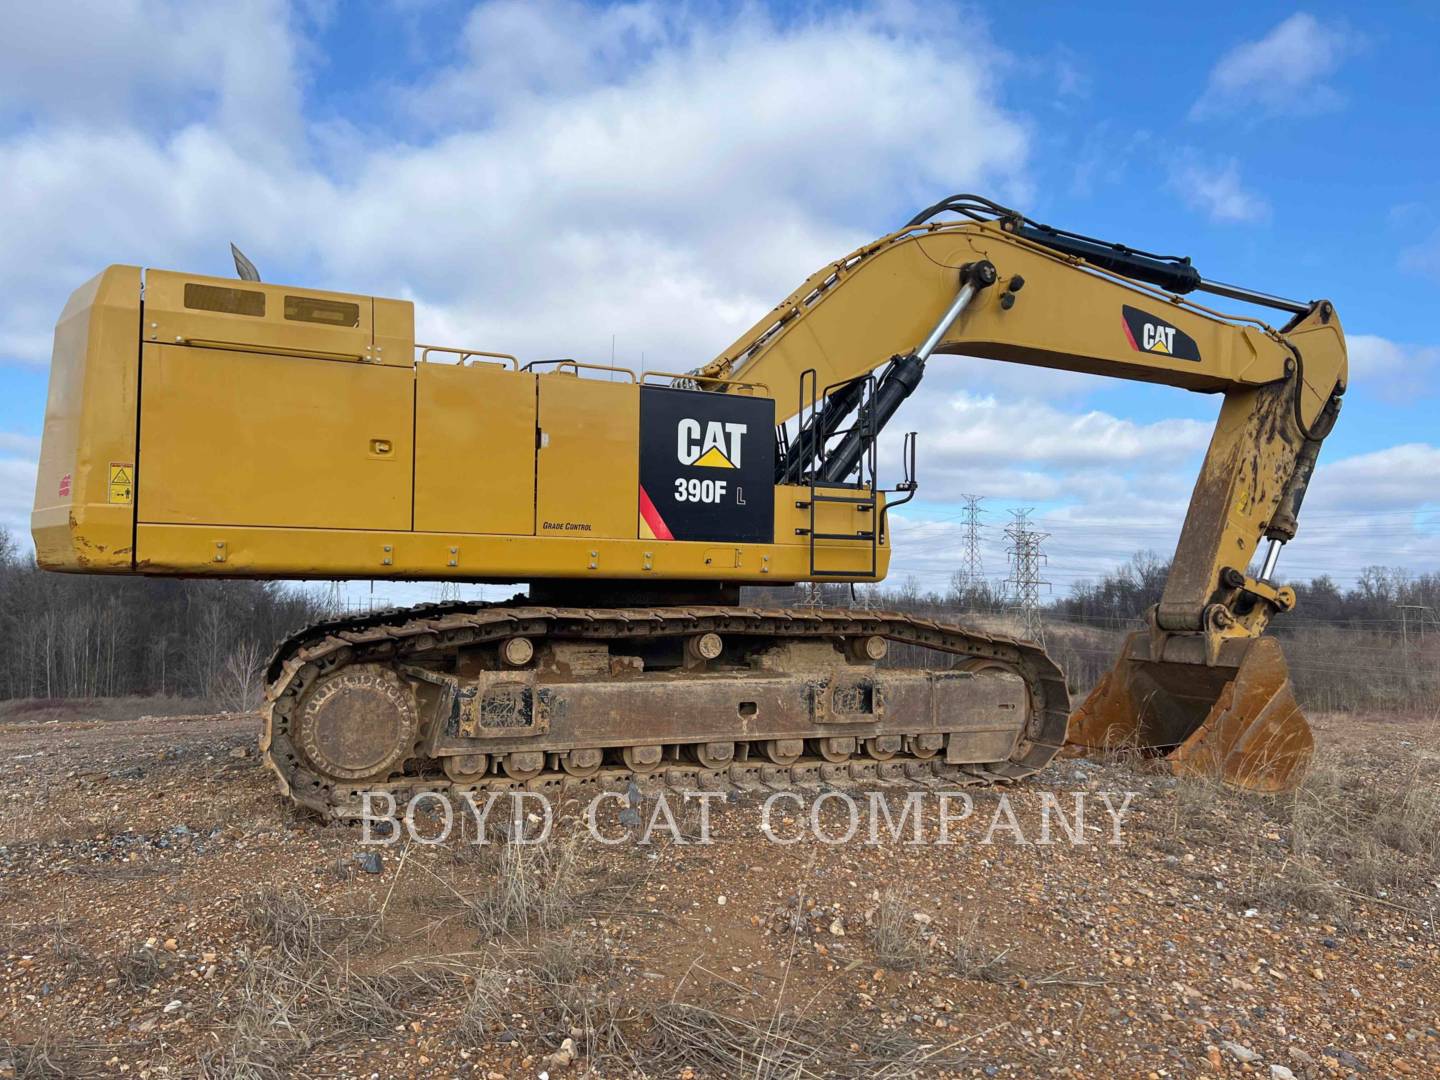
x: 165, y: 913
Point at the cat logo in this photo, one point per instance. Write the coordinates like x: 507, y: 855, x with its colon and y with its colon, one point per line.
x: 714, y: 445
x: 1158, y: 338
x: 1152, y: 334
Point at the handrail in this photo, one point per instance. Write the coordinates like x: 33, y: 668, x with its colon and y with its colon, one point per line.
x: 274, y: 350
x: 465, y: 354
x: 692, y: 376
x: 578, y: 364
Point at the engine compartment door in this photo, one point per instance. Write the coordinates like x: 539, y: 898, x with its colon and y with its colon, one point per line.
x: 252, y: 438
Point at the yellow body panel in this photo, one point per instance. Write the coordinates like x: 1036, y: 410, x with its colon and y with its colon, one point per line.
x: 474, y: 449
x: 394, y: 337
x: 241, y: 438
x: 588, y: 473
x: 276, y: 552
x: 81, y: 521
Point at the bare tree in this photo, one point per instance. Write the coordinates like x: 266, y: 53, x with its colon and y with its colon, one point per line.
x: 239, y: 686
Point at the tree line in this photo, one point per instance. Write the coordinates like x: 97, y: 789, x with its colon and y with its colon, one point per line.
x: 83, y: 636
x: 1123, y: 595
x: 1374, y: 603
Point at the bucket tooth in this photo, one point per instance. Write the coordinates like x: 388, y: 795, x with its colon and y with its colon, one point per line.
x: 1238, y: 721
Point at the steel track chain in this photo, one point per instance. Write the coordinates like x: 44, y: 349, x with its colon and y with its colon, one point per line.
x: 408, y: 635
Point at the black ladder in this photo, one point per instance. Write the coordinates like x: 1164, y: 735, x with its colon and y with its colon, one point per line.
x: 860, y: 495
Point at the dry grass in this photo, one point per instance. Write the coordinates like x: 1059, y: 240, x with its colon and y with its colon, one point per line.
x: 539, y: 886
x: 1338, y: 669
x: 289, y: 921
x: 976, y: 958
x: 284, y: 1012
x: 72, y: 959
x: 484, y: 1011
x: 288, y: 1007
x: 1202, y: 806
x: 1357, y: 833
x: 50, y: 1057
x: 141, y: 967
x: 563, y: 959
x: 301, y: 988
x: 896, y: 935
x: 783, y: 1046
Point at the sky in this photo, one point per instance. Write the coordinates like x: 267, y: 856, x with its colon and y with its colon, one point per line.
x: 544, y: 178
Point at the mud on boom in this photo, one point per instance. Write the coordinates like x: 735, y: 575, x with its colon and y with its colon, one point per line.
x: 205, y: 426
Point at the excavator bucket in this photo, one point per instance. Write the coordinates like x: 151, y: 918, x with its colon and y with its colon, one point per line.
x: 1237, y: 720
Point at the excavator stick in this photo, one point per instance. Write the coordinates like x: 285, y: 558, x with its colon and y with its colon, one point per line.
x: 1236, y: 720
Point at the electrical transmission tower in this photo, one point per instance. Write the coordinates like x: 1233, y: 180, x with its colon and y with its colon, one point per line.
x: 335, y: 599
x: 1026, y: 559
x: 972, y: 569
x: 862, y: 598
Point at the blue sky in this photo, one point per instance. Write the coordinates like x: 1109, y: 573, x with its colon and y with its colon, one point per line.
x: 541, y: 176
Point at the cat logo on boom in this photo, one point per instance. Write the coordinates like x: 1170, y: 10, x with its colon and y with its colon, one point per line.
x: 714, y: 445
x: 1152, y: 334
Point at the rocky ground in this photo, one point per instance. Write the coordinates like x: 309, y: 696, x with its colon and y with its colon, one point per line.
x: 165, y: 913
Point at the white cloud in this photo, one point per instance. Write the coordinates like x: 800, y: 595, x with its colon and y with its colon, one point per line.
x: 155, y: 63
x: 1216, y: 191
x: 1377, y: 508
x: 514, y: 49
x: 15, y: 443
x: 1283, y: 72
x: 19, y: 457
x: 667, y: 188
x: 1396, y: 372
x: 1077, y: 465
x: 1403, y: 478
x: 1423, y: 258
x: 1028, y: 449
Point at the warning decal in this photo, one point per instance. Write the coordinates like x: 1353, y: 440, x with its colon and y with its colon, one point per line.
x: 122, y: 482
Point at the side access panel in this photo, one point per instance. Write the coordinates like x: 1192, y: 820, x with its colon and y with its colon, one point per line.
x: 245, y: 438
x: 474, y: 449
x: 587, y: 462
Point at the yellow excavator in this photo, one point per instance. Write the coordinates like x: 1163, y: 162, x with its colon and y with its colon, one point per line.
x: 201, y: 426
